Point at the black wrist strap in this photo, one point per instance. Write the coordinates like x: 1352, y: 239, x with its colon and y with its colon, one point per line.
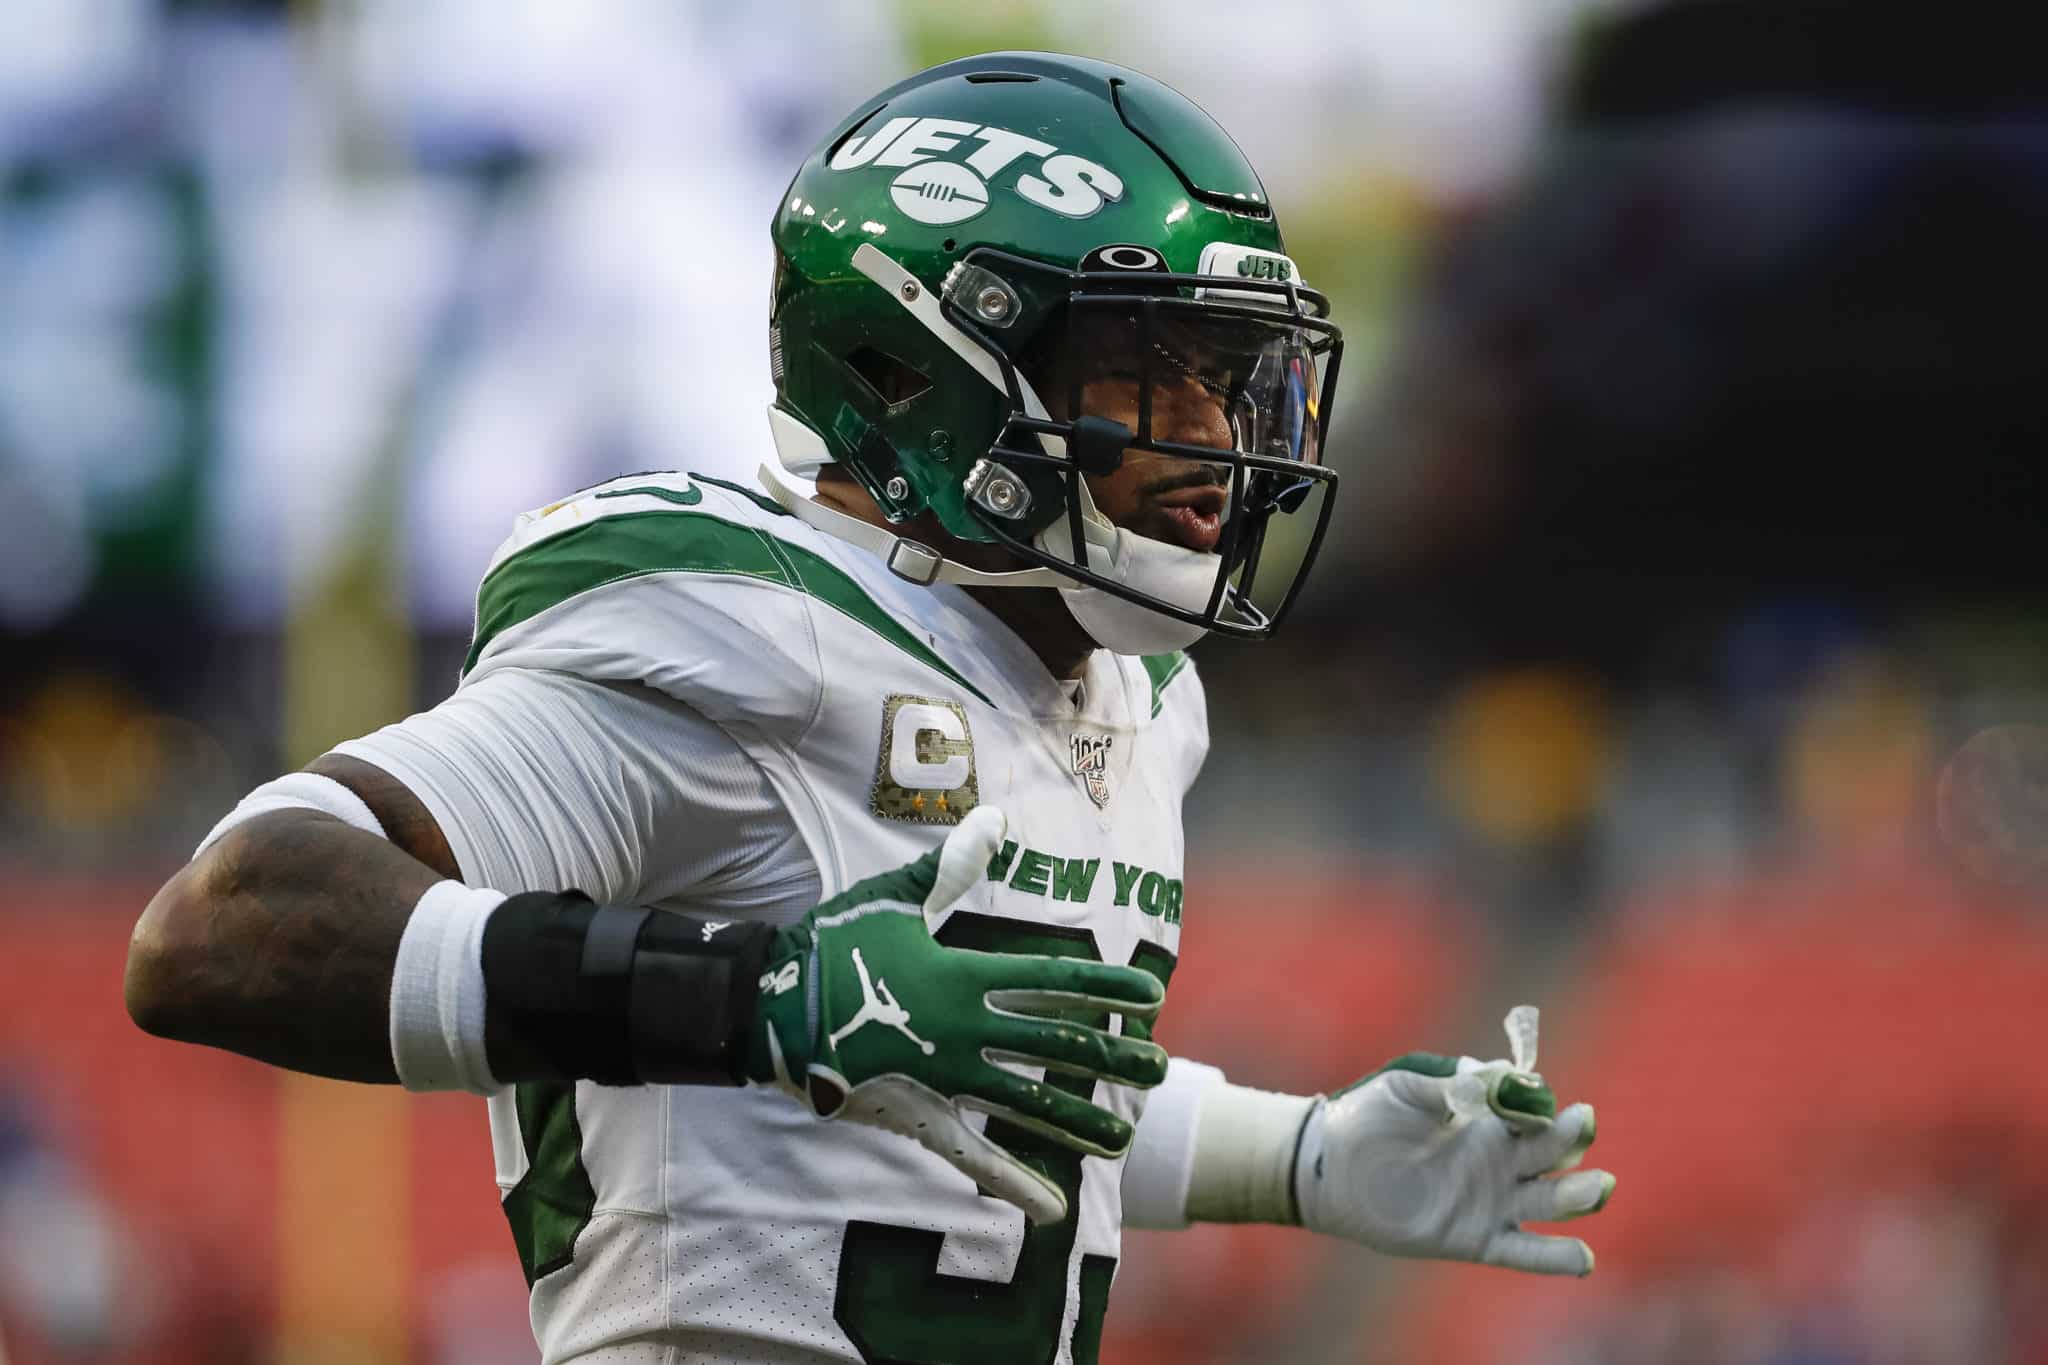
x: 621, y: 995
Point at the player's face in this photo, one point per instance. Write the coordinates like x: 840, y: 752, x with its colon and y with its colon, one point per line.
x: 1222, y: 383
x: 1167, y: 497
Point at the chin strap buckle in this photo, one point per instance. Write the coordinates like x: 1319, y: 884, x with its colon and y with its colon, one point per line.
x: 915, y: 562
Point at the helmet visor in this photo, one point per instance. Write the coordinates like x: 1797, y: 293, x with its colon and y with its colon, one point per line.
x: 1240, y: 383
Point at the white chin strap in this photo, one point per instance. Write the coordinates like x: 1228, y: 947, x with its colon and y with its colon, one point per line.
x: 1170, y: 573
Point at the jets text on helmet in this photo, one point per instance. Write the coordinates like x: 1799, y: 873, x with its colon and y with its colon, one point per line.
x: 956, y: 188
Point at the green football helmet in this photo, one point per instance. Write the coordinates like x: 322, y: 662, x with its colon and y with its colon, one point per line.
x: 965, y: 261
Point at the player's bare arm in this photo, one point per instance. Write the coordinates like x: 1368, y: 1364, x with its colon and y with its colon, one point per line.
x: 277, y: 942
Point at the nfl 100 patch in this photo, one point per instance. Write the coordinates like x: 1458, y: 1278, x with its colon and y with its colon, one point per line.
x: 925, y: 770
x: 1091, y: 764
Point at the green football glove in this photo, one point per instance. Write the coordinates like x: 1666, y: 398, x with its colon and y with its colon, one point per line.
x: 863, y: 1016
x: 1443, y: 1157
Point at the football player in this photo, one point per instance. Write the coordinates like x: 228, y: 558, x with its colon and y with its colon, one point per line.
x: 756, y: 808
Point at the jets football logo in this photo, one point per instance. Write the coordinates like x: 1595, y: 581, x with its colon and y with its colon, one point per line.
x: 945, y: 167
x: 939, y: 192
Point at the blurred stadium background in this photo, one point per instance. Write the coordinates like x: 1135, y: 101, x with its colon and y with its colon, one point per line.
x: 1693, y: 516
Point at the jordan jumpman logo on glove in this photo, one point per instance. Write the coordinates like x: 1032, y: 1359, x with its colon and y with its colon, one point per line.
x: 879, y: 1007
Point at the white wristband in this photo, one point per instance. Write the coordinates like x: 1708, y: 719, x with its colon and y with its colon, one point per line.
x: 437, y: 992
x: 1244, y: 1156
x: 297, y: 791
x: 1162, y: 1159
x: 1209, y: 1151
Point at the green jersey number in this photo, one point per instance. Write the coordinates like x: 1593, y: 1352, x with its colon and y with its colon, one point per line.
x: 893, y: 1302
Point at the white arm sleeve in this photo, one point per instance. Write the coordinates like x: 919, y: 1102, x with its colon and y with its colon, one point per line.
x: 545, y: 781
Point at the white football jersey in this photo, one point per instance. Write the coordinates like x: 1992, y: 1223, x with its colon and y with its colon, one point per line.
x: 670, y: 1224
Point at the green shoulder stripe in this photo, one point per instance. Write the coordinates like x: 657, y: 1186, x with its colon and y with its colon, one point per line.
x: 635, y: 544
x: 1162, y: 669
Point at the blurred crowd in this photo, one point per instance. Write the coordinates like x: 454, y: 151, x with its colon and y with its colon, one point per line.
x: 1692, y: 488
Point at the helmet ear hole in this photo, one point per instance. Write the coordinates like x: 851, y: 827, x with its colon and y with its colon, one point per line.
x: 891, y: 380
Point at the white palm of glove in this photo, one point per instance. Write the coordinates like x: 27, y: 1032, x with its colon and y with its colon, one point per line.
x: 1402, y: 1163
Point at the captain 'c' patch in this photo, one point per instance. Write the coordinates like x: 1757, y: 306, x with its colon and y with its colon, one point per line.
x: 925, y: 771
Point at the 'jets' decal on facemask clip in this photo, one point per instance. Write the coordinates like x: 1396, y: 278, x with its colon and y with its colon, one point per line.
x: 877, y: 1006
